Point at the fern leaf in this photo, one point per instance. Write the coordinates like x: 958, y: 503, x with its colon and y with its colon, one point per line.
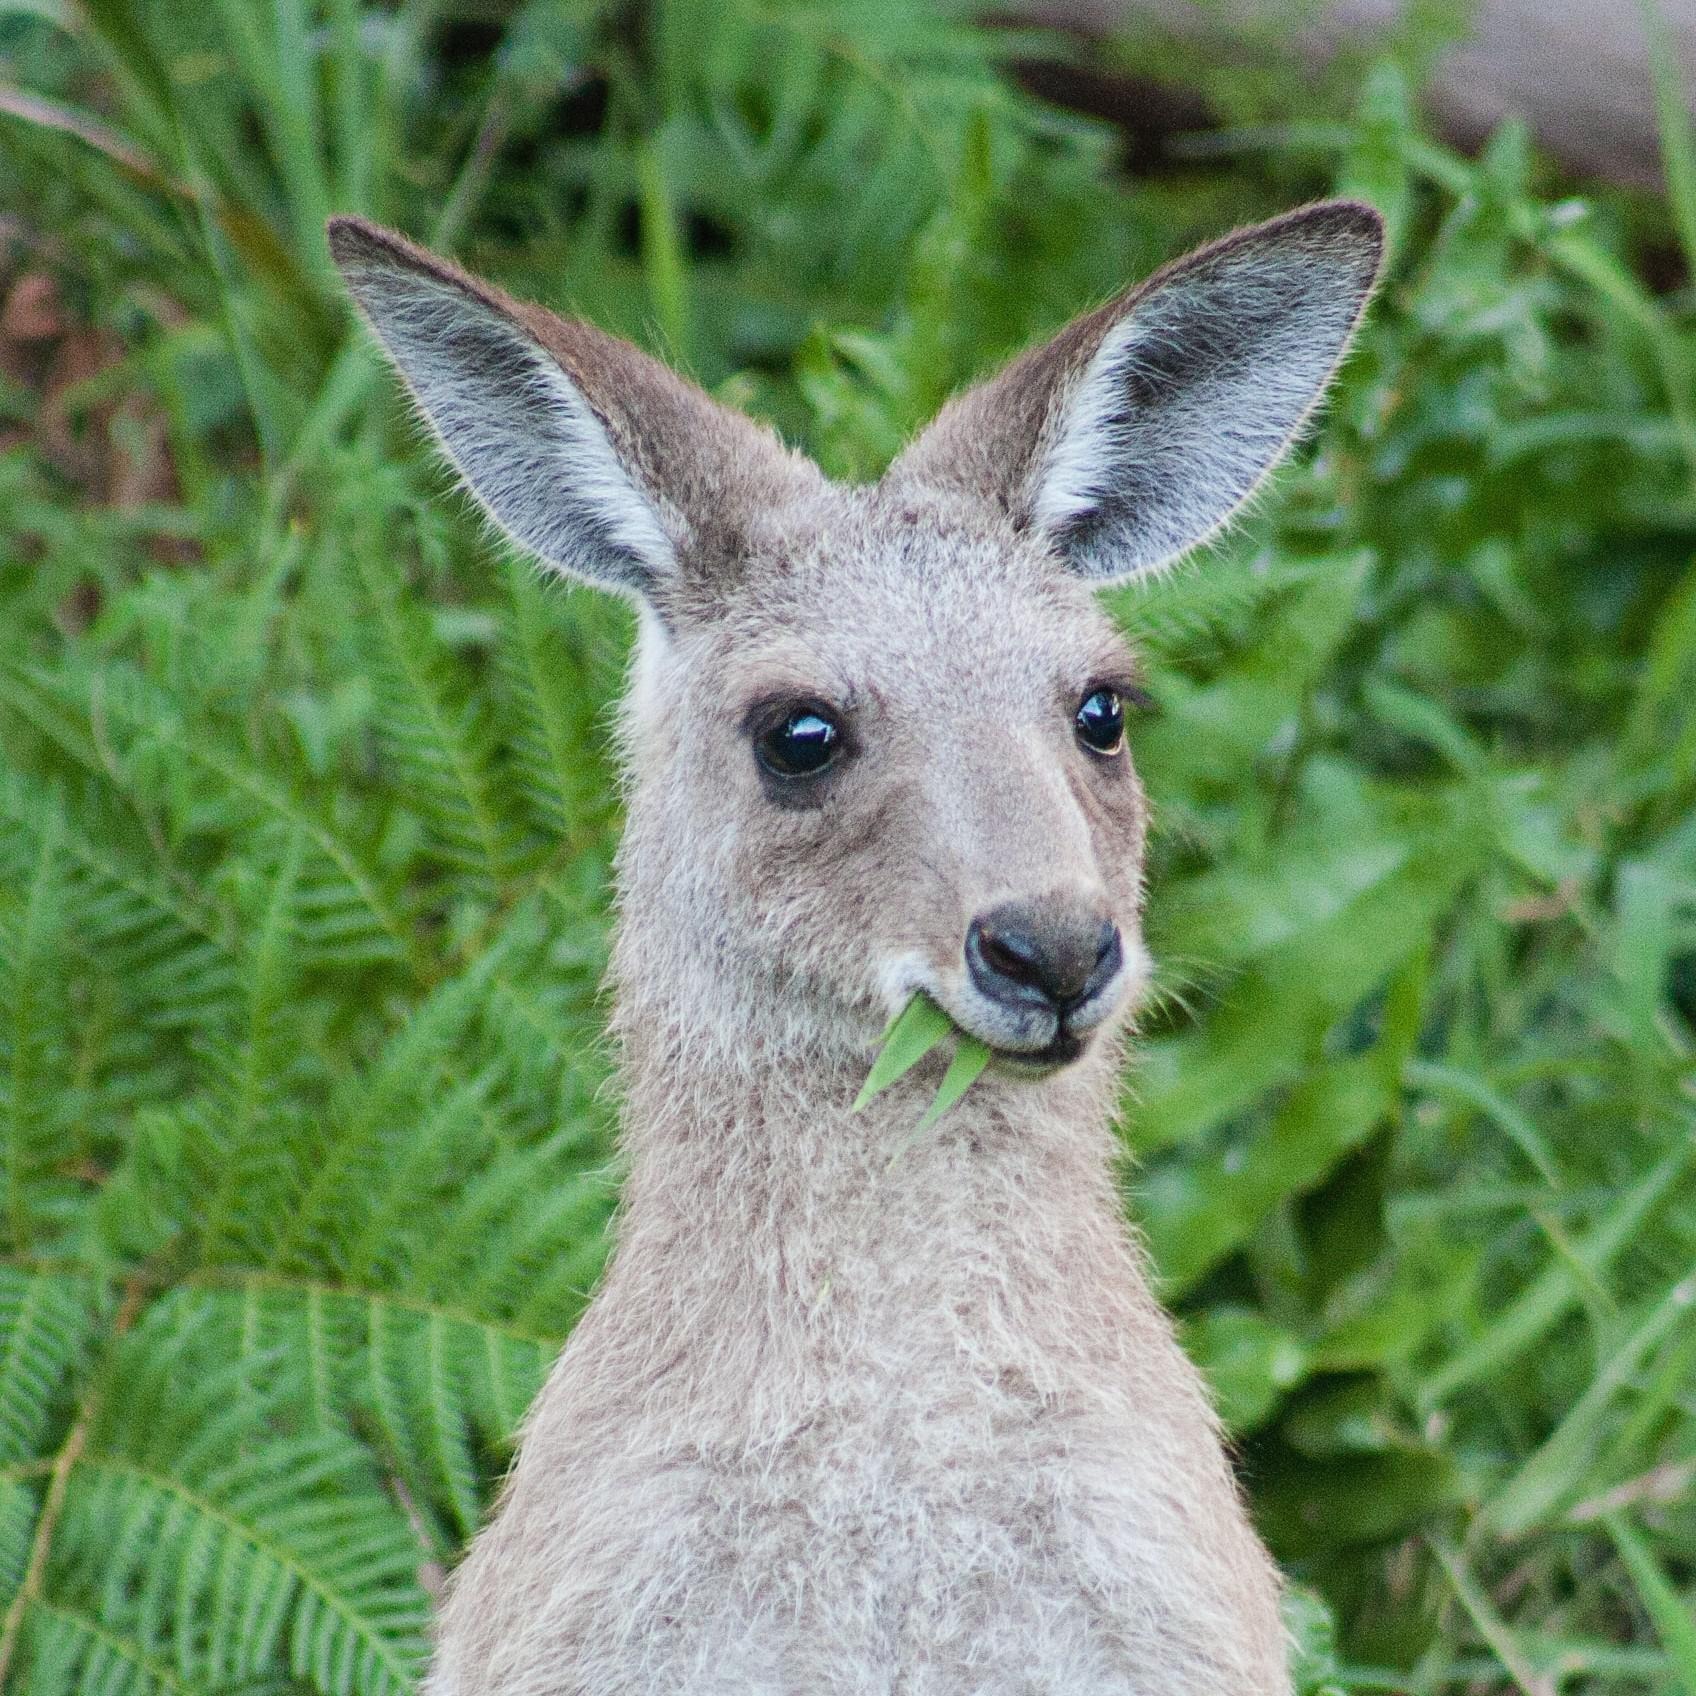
x: 71, y: 1652
x: 28, y: 1046
x: 47, y: 1319
x: 20, y: 1508
x: 440, y: 1385
x: 158, y: 745
x: 208, y: 1525
x: 170, y: 955
x: 253, y: 1168
x: 431, y: 1106
x: 546, y: 665
x: 437, y: 731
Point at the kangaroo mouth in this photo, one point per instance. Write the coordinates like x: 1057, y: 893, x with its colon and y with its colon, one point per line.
x: 1032, y: 1045
x: 1061, y: 1050
x: 1027, y: 1039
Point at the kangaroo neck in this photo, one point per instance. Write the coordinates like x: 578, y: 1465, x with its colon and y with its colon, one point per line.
x: 760, y: 1204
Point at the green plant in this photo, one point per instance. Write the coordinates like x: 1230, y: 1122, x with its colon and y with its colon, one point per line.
x: 306, y: 812
x: 916, y: 1030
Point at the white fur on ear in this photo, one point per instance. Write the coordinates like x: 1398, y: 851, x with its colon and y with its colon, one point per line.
x: 1143, y: 426
x: 515, y: 426
x: 1197, y: 391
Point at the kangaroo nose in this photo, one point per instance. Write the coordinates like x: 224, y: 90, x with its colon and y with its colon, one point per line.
x: 1029, y: 952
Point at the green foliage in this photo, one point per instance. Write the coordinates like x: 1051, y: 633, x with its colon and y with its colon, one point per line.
x: 913, y: 1033
x: 306, y: 813
x: 918, y: 1028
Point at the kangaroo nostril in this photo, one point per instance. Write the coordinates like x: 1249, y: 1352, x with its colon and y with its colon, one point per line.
x: 1109, y: 957
x: 1035, y: 953
x: 1012, y: 956
x: 1004, y: 961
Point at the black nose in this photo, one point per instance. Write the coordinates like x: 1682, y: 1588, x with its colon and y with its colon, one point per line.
x: 1029, y: 953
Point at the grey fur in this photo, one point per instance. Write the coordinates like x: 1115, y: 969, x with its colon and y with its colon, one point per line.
x: 853, y: 1413
x: 1143, y: 427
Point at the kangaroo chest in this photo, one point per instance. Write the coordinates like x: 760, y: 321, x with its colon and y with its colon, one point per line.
x: 866, y: 1480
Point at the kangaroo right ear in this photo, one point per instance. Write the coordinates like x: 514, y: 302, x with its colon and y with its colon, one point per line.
x: 1138, y: 430
x: 586, y: 452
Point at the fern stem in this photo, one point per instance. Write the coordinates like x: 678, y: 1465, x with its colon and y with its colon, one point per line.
x: 244, y: 1279
x: 53, y: 1503
x: 115, y: 1644
x: 22, y: 1092
x: 382, y: 1651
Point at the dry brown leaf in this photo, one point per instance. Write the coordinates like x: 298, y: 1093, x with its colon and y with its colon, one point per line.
x: 32, y: 312
x: 74, y: 441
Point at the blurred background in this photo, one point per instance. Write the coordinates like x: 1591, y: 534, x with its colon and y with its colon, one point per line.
x: 306, y: 807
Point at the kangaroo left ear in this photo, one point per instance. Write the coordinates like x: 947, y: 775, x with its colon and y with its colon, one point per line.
x: 586, y: 452
x: 1138, y: 430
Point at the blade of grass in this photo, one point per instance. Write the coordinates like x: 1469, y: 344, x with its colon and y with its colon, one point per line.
x: 1428, y: 1076
x: 1674, y: 1618
x: 1482, y: 1611
x: 1678, y: 147
x: 964, y: 1070
x: 68, y: 120
x: 298, y: 125
x: 346, y: 385
x: 256, y: 382
x: 474, y: 173
x: 1557, y: 1289
x: 350, y: 106
x: 1633, y: 1440
x: 662, y: 248
x: 1555, y: 1471
x: 917, y: 1029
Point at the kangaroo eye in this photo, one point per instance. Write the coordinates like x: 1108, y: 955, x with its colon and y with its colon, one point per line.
x: 800, y: 743
x: 1101, y: 722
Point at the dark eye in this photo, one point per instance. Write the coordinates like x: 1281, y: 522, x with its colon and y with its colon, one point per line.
x: 1101, y: 721
x: 801, y: 743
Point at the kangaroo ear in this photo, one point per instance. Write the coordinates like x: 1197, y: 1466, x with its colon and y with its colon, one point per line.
x: 1141, y: 428
x: 585, y: 451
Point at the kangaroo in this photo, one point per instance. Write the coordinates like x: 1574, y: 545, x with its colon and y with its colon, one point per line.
x: 856, y: 1411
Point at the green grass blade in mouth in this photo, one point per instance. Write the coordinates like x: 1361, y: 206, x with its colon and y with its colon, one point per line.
x: 964, y: 1069
x: 917, y: 1029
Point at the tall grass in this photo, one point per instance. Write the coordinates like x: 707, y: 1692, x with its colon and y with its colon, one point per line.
x: 305, y: 816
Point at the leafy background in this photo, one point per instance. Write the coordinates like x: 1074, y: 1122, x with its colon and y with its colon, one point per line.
x: 306, y: 808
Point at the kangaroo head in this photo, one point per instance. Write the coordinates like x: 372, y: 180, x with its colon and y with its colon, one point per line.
x: 875, y: 735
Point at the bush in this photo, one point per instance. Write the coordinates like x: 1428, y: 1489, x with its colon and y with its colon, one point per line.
x: 306, y: 813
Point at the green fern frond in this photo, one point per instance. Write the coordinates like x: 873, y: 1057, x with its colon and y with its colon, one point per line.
x: 29, y: 1038
x: 415, y: 1389
x: 20, y: 1508
x: 450, y: 1107
x: 1198, y: 605
x: 47, y: 1322
x: 346, y: 1154
x: 205, y: 1524
x: 438, y: 1386
x: 538, y: 1205
x: 554, y: 1255
x: 437, y: 732
x: 551, y: 708
x: 425, y: 1167
x: 151, y: 746
x: 170, y: 954
x: 252, y: 1171
x: 71, y: 1651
